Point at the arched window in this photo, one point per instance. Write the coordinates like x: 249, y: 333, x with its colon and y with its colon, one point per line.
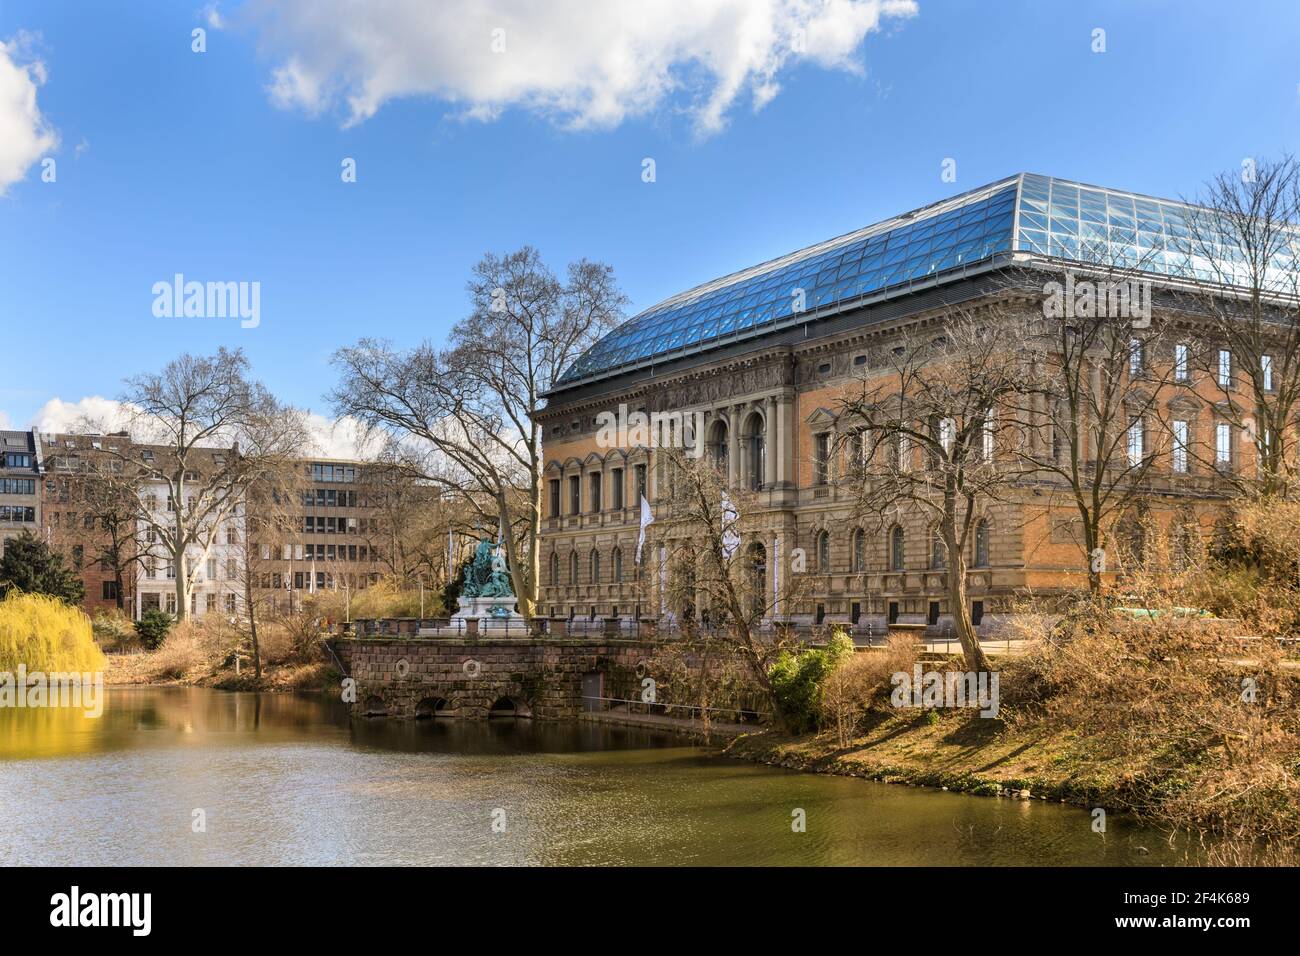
x: 982, y: 544
x: 555, y: 568
x: 717, y: 447
x: 824, y: 552
x: 616, y: 562
x: 595, y: 566
x: 859, y: 550
x: 938, y: 551
x: 573, y: 567
x: 896, y: 548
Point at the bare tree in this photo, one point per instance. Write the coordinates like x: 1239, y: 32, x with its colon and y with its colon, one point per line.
x: 715, y: 566
x: 106, y: 497
x: 926, y: 433
x: 410, y: 520
x: 1095, y: 380
x: 202, y: 432
x: 465, y: 416
x: 271, y: 497
x: 1240, y: 256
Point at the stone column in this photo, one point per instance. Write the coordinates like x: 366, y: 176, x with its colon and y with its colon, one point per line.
x: 785, y: 437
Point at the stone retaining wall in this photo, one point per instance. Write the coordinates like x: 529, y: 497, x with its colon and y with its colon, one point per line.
x: 418, y: 677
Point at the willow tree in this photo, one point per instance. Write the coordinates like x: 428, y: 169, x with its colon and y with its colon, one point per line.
x: 463, y: 416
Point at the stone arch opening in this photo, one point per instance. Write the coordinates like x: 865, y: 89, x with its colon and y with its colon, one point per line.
x: 374, y: 707
x: 431, y: 707
x: 507, y: 708
x: 718, y: 445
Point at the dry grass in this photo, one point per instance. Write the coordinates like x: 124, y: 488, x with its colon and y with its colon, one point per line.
x: 861, y: 683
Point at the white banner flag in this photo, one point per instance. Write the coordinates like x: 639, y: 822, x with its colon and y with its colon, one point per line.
x: 730, y: 518
x: 647, y: 519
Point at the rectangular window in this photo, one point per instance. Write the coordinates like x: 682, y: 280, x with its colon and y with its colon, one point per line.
x: 1223, y: 444
x: 209, y: 602
x: 640, y: 484
x: 616, y: 489
x: 1135, y: 442
x: 170, y: 598
x: 555, y: 497
x: 1135, y: 357
x: 597, y: 482
x: 987, y: 433
x: 1181, y: 373
x: 821, y: 456
x: 1266, y: 372
x: 1224, y: 375
x: 230, y: 603
x: 575, y: 495
x: 1180, y: 448
x: 110, y: 590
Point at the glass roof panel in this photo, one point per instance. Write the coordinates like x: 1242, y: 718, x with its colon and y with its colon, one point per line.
x: 938, y: 243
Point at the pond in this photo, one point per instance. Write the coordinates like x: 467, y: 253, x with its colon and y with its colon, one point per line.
x: 178, y: 776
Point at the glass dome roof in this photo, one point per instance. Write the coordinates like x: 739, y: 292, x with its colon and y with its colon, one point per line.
x: 1036, y: 215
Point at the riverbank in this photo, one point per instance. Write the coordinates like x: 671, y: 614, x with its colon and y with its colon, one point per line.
x: 157, y: 670
x: 983, y: 757
x: 949, y: 752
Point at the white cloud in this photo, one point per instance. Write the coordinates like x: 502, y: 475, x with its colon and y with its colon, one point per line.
x: 341, y: 438
x: 6, y: 423
x: 56, y: 415
x: 24, y: 133
x: 329, y: 437
x: 580, y: 63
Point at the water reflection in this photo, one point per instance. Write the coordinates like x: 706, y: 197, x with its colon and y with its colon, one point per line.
x: 292, y: 779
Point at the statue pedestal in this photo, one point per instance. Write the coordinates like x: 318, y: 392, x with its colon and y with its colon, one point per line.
x: 494, y: 614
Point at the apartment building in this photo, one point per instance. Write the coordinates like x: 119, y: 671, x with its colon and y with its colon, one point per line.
x: 328, y: 538
x: 81, y: 519
x: 20, y: 484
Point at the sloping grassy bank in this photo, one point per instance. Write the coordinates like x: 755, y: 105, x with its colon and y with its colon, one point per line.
x: 1170, y: 720
x: 963, y: 753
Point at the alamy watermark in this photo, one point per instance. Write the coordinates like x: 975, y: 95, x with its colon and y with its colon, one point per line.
x: 1110, y: 299
x: 932, y: 689
x: 208, y: 300
x: 82, y: 690
x: 624, y: 429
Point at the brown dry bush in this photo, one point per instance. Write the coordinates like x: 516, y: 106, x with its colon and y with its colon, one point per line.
x: 862, y: 682
x: 1204, y: 723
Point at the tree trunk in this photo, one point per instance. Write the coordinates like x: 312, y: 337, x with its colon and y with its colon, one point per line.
x: 958, y: 604
x: 252, y: 625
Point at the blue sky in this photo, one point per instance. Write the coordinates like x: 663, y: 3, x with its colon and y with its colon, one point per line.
x: 225, y: 165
